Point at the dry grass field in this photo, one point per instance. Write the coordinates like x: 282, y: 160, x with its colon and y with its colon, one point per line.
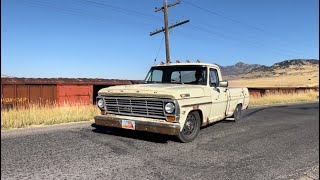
x: 307, y: 76
x: 282, y: 81
x: 284, y: 98
x: 48, y: 115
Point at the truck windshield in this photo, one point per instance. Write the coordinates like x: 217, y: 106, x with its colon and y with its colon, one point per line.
x: 177, y: 75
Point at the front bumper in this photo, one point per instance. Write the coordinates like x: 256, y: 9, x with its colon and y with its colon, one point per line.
x: 156, y: 127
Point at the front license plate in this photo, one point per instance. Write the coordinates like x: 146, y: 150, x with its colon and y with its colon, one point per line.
x: 127, y: 124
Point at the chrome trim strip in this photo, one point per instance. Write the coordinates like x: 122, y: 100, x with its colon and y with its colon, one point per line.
x: 197, y: 104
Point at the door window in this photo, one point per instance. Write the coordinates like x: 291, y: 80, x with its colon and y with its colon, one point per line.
x: 214, y: 80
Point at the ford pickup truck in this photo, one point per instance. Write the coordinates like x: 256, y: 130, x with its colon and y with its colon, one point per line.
x: 175, y: 99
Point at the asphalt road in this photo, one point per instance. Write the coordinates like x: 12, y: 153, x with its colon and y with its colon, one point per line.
x: 269, y: 143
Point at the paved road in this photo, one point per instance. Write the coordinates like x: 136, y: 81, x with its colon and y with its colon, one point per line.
x: 269, y: 143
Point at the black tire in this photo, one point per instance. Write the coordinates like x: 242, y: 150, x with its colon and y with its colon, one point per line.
x: 191, y: 128
x: 237, y: 114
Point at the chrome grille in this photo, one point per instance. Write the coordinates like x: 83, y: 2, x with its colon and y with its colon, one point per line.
x: 140, y: 107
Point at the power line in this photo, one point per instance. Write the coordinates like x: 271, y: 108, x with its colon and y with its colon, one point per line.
x: 155, y: 60
x: 239, y: 22
x: 194, y: 27
x: 231, y: 19
x: 127, y: 11
x: 117, y: 8
x: 239, y: 40
x: 209, y: 40
x: 78, y: 12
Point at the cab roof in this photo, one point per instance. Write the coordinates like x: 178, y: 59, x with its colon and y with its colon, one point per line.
x: 188, y: 64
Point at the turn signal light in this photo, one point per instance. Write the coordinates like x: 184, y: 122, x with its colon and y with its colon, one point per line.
x: 170, y: 118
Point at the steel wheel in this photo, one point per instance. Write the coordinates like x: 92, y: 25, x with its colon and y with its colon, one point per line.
x: 191, y: 128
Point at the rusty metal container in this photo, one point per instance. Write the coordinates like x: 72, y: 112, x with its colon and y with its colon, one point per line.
x: 74, y: 94
x: 21, y: 92
x: 17, y: 95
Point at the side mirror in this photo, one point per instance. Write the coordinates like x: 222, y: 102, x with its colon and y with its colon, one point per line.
x: 223, y: 83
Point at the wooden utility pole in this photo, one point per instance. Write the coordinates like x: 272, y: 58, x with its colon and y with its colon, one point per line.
x: 166, y: 30
x: 166, y: 27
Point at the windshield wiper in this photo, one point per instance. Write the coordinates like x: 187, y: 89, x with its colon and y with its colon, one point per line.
x: 177, y: 83
x: 151, y: 82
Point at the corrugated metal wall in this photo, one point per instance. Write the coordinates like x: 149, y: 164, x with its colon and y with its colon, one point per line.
x: 21, y: 95
x: 19, y: 92
x: 74, y: 94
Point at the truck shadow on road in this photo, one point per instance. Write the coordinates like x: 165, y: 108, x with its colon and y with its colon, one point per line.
x: 245, y: 115
x: 251, y: 112
x: 140, y: 135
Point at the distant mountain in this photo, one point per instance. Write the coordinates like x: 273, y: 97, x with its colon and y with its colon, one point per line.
x: 287, y: 67
x: 297, y: 64
x: 239, y: 68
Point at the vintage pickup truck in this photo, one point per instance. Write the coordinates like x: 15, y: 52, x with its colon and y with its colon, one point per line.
x: 175, y: 99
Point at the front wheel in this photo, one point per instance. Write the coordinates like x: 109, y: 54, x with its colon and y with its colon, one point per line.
x: 191, y: 128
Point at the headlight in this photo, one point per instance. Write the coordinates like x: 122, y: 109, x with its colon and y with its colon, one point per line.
x: 100, y: 103
x: 169, y: 108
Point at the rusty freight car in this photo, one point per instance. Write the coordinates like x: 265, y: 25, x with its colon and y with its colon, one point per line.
x: 17, y: 92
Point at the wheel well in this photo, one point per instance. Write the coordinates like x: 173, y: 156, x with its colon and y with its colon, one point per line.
x: 200, y: 114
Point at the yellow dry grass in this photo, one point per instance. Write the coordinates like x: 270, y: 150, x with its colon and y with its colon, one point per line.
x: 284, y: 98
x: 282, y: 81
x: 308, y: 76
x: 47, y: 115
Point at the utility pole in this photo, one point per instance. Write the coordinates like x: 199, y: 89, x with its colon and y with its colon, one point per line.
x: 166, y: 27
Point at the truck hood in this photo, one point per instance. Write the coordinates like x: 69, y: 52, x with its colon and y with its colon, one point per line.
x: 172, y: 91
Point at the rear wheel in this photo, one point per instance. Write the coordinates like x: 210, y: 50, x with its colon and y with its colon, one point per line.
x: 191, y: 128
x: 237, y: 115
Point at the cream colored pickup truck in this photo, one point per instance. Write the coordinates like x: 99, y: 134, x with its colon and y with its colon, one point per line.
x: 175, y: 99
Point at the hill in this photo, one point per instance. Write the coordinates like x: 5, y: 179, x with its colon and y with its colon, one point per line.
x: 295, y: 72
x: 239, y: 68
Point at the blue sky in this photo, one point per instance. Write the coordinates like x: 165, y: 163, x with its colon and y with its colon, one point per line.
x: 110, y: 38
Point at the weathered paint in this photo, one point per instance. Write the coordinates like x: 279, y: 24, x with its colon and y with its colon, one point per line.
x: 74, y: 94
x: 21, y: 95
